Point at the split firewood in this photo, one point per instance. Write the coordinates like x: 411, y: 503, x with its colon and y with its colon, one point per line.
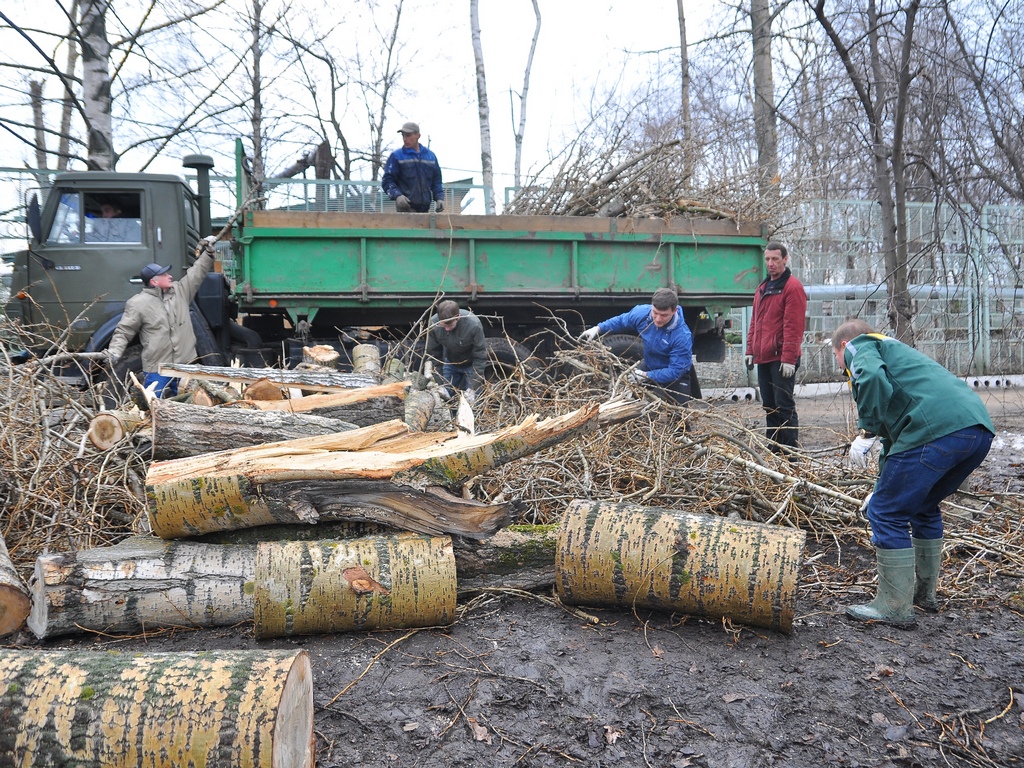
x: 14, y: 595
x: 74, y: 707
x: 363, y: 406
x: 322, y: 381
x: 181, y: 430
x: 108, y: 428
x: 323, y: 355
x: 384, y: 466
x: 144, y: 582
x: 264, y: 390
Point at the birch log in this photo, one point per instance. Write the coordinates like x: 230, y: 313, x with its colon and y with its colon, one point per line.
x: 14, y: 596
x: 626, y: 556
x: 108, y: 428
x: 145, y: 583
x: 69, y: 709
x: 236, y: 489
x: 142, y: 584
x: 181, y: 430
x: 303, y: 588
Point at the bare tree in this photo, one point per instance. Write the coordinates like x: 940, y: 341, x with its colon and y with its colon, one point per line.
x: 764, y: 99
x: 521, y: 131
x: 482, y: 106
x: 884, y: 97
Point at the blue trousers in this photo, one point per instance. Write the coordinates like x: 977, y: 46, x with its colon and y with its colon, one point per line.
x: 458, y: 376
x: 912, y: 483
x: 165, y: 384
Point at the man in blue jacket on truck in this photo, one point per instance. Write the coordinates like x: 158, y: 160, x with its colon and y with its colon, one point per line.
x: 412, y: 175
x: 668, y: 345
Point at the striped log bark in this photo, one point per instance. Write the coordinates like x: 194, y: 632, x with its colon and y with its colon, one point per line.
x: 399, y: 581
x: 14, y: 595
x: 239, y: 489
x: 144, y: 583
x: 625, y: 556
x: 69, y: 709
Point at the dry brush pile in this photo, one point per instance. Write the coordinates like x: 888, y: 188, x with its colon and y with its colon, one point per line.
x: 61, y: 494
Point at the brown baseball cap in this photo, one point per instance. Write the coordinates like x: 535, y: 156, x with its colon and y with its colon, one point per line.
x: 409, y: 128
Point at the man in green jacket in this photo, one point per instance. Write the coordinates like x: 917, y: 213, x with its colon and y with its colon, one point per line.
x: 159, y: 314
x: 934, y: 432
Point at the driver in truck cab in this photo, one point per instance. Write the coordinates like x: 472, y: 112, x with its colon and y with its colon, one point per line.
x: 159, y: 314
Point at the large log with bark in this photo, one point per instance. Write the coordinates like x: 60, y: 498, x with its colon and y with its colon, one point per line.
x: 181, y: 430
x: 69, y: 709
x: 362, y: 407
x: 14, y: 596
x: 383, y: 467
x: 628, y: 556
x: 320, y: 381
x: 382, y: 582
x: 144, y: 583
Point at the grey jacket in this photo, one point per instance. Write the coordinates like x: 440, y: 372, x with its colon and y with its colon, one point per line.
x: 162, y: 321
x: 463, y: 346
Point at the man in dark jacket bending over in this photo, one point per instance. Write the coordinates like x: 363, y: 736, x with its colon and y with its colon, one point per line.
x: 456, y: 339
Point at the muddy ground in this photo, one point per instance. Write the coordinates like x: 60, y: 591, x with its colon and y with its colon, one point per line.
x: 519, y: 682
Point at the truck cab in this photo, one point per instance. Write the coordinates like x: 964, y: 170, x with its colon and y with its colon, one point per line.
x: 90, y: 239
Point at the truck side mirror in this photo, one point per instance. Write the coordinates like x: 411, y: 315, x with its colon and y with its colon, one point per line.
x: 35, y: 219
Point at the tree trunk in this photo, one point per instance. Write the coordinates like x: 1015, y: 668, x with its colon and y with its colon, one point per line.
x: 140, y: 584
x: 521, y: 132
x: 14, y: 596
x: 181, y: 430
x: 96, y: 84
x: 108, y: 428
x: 372, y: 468
x: 68, y: 709
x: 483, y: 108
x: 627, y: 556
x: 144, y: 582
x: 765, y: 134
x: 322, y: 381
x: 684, y: 80
x: 385, y: 582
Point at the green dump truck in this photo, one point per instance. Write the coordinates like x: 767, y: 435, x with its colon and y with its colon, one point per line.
x: 290, y: 278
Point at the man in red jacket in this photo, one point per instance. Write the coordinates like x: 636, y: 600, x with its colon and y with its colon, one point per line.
x: 773, y: 343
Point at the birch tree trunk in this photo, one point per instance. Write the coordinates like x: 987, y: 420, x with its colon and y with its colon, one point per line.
x: 96, y: 84
x: 482, y: 106
x: 628, y: 556
x: 67, y: 709
x: 684, y: 77
x: 521, y: 132
x: 68, y: 104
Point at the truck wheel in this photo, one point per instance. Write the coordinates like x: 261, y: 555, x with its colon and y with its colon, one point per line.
x: 504, y: 356
x: 629, y: 348
x: 208, y: 351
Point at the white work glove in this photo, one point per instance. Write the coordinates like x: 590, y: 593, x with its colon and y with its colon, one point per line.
x: 207, y: 245
x: 636, y: 376
x: 748, y: 360
x: 470, y: 395
x: 428, y: 370
x: 439, y: 205
x: 787, y: 370
x: 446, y: 393
x: 590, y: 334
x: 402, y: 204
x: 864, y: 504
x: 859, y: 449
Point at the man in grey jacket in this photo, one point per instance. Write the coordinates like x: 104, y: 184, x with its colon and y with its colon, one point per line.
x: 160, y: 316
x: 456, y: 339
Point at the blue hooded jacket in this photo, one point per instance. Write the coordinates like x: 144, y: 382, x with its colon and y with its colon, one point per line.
x: 668, y: 351
x: 417, y: 175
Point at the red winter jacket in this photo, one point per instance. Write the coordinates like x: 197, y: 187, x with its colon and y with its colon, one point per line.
x: 777, y: 323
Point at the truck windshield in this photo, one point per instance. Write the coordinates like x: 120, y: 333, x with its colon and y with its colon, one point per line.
x: 97, y: 217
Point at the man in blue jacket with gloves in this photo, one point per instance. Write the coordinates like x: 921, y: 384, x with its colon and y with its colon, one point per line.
x: 668, y: 345
x: 412, y: 175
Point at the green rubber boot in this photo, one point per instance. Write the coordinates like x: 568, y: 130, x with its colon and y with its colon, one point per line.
x: 928, y: 559
x: 894, y: 603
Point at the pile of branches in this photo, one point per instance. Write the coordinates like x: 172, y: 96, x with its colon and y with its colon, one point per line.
x: 57, y: 492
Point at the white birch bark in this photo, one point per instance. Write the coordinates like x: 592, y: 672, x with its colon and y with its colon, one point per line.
x: 96, y: 84
x: 483, y: 107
